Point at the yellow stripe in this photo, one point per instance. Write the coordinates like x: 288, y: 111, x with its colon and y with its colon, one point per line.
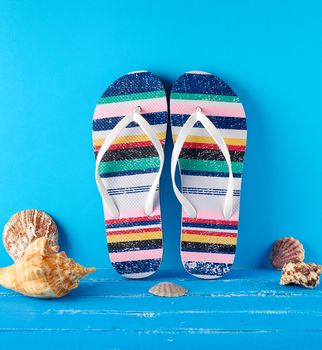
x: 206, y: 139
x: 139, y: 236
x: 209, y: 239
x: 129, y: 139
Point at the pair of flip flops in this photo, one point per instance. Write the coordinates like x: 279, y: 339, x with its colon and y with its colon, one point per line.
x: 209, y: 133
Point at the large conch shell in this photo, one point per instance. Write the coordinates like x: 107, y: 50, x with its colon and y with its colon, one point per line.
x: 43, y: 272
x: 25, y: 227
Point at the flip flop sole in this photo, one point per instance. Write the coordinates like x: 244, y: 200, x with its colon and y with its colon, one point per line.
x: 208, y: 242
x: 128, y: 169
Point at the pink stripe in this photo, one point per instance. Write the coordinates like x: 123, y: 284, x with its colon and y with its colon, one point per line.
x: 136, y: 255
x: 218, y: 109
x: 135, y: 212
x: 208, y: 257
x: 205, y: 214
x: 110, y: 110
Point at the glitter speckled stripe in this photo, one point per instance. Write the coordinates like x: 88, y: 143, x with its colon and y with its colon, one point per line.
x: 134, y: 240
x: 208, y: 243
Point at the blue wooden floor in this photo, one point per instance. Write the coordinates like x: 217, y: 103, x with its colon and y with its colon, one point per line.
x: 247, y: 310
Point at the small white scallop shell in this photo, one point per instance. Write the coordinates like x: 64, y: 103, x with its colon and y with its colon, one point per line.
x: 168, y: 289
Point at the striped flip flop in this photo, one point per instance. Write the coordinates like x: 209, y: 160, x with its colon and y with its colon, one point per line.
x: 209, y: 131
x: 129, y: 130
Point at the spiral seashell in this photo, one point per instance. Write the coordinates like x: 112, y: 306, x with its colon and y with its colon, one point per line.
x: 26, y: 226
x: 42, y: 272
x: 167, y: 289
x: 286, y: 250
x: 304, y: 274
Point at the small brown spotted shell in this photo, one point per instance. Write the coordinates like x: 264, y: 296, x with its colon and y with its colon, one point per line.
x: 285, y: 250
x: 26, y: 226
x: 304, y: 274
x: 167, y: 289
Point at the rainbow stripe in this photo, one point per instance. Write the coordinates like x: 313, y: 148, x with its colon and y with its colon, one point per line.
x: 128, y: 169
x: 208, y: 242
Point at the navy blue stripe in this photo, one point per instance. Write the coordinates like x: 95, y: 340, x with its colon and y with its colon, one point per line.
x: 124, y: 190
x: 220, y: 122
x: 206, y: 189
x: 110, y: 123
x: 131, y: 223
x: 202, y: 84
x: 130, y: 172
x: 127, y: 267
x: 134, y: 153
x: 127, y: 192
x: 210, y: 154
x: 200, y: 268
x: 133, y: 84
x: 214, y: 226
x: 210, y: 193
x: 134, y: 245
x: 209, y: 173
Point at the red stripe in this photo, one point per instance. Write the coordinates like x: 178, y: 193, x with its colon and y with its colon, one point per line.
x: 141, y: 230
x: 212, y: 146
x: 142, y: 218
x: 129, y: 145
x: 209, y: 221
x: 209, y: 233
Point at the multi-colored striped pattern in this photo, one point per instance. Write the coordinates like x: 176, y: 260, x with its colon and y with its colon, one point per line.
x: 208, y: 243
x: 128, y: 169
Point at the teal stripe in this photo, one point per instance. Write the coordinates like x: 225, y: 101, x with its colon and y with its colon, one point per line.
x: 128, y: 164
x: 204, y: 97
x: 132, y: 97
x: 209, y: 165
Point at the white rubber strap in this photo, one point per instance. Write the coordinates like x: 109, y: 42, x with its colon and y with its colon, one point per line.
x: 198, y: 116
x: 145, y: 126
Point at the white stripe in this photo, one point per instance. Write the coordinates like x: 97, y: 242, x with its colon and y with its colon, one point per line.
x: 156, y: 227
x: 209, y: 229
x: 226, y: 133
x: 133, y: 200
x: 128, y: 131
x: 133, y: 181
x: 210, y: 182
x: 210, y: 202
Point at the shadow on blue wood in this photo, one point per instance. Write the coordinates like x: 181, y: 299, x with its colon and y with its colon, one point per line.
x: 247, y: 309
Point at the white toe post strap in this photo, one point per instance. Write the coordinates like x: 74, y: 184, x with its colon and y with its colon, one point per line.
x: 198, y: 116
x: 148, y: 130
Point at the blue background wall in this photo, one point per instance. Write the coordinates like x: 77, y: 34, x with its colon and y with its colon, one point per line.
x: 56, y: 59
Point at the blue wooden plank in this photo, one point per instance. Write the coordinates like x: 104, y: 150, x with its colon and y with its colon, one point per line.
x: 143, y: 318
x: 245, y: 305
x: 193, y: 339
